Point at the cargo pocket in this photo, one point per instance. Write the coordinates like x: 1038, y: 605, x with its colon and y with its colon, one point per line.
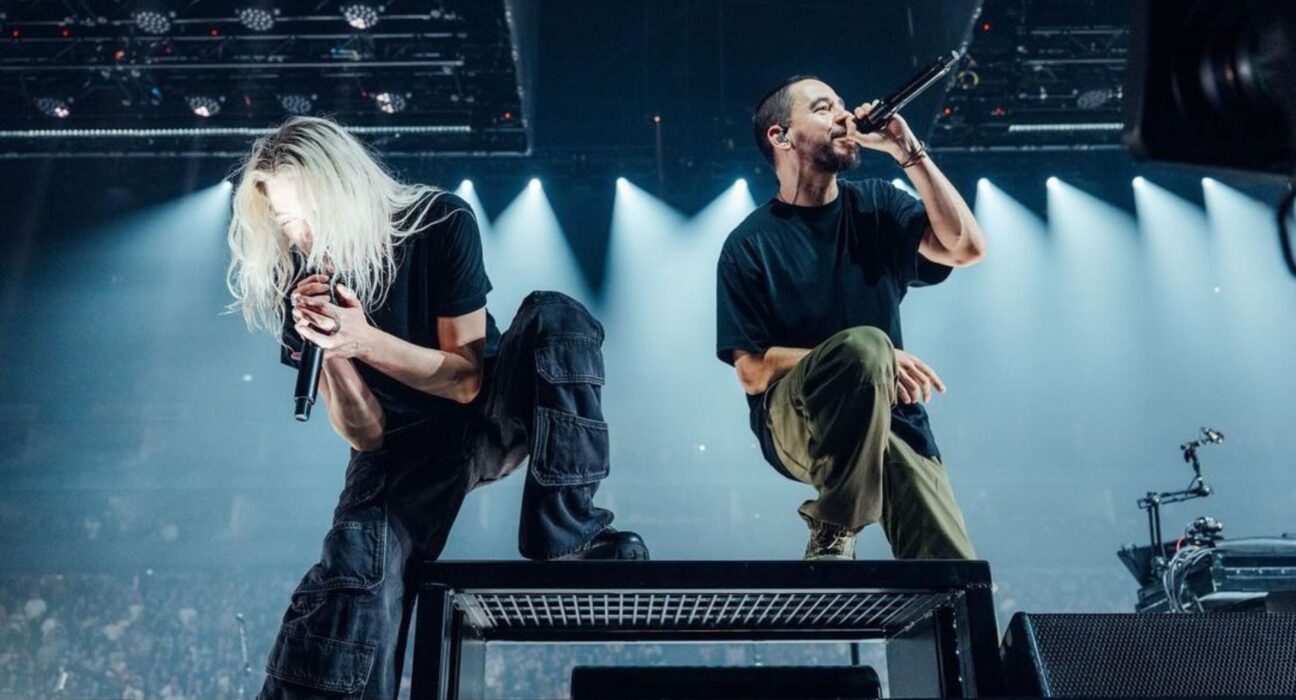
x: 353, y: 555
x: 569, y: 450
x: 568, y: 359
x: 320, y: 663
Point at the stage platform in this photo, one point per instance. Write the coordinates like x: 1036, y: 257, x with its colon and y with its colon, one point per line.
x: 936, y: 617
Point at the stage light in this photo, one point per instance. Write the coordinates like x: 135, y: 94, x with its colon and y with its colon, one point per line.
x: 151, y: 21
x: 390, y: 102
x: 741, y: 182
x: 297, y: 104
x: 1138, y: 181
x: 1207, y: 182
x: 360, y: 16
x: 53, y: 107
x: 621, y: 182
x: 204, y: 106
x: 468, y: 191
x: 660, y: 262
x: 1176, y: 240
x: 1052, y: 182
x: 983, y: 182
x: 527, y: 250
x: 1093, y: 99
x: 257, y: 19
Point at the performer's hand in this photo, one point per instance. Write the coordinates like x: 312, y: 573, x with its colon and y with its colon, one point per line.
x: 894, y: 138
x: 914, y: 379
x: 340, y: 329
x: 313, y: 289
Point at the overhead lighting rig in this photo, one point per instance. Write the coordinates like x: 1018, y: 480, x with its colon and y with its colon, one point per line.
x: 1041, y: 75
x: 126, y: 76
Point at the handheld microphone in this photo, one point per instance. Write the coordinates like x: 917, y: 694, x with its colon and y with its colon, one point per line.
x: 889, y: 105
x: 308, y: 373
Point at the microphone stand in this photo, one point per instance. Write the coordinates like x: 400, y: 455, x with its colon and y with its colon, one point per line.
x: 1197, y: 488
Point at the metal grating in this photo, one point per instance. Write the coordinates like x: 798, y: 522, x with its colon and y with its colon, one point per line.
x: 864, y: 611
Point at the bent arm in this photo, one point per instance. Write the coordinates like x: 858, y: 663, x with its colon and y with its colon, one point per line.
x: 954, y: 237
x: 454, y: 373
x: 353, y: 410
x: 757, y: 371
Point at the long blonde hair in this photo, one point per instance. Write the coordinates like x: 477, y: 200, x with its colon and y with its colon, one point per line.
x: 357, y: 213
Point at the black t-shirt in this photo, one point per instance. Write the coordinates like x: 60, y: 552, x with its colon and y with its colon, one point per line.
x: 794, y: 276
x: 439, y: 274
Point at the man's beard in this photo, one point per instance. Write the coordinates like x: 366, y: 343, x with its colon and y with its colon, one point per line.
x: 829, y: 160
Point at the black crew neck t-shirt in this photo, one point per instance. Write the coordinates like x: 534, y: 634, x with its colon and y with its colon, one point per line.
x: 792, y: 276
x: 440, y: 273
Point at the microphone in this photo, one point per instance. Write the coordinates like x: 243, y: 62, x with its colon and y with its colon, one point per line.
x: 889, y: 105
x: 308, y: 373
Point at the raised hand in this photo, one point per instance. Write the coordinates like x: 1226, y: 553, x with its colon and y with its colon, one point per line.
x: 894, y: 138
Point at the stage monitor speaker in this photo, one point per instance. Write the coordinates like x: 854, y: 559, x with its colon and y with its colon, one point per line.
x: 710, y: 682
x: 1142, y: 655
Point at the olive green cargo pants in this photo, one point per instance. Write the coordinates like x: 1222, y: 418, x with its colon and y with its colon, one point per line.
x: 830, y: 418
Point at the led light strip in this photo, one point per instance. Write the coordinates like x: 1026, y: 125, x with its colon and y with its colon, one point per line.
x: 1098, y: 126
x: 220, y: 131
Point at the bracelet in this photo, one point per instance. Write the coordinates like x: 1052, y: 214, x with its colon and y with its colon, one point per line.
x: 915, y: 157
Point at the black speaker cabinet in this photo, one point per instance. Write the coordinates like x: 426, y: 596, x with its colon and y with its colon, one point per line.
x: 1150, y: 655
x: 710, y: 682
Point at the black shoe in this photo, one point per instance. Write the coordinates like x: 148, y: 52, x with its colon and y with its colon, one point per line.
x: 611, y: 544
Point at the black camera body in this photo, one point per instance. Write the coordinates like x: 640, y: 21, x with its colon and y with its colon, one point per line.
x: 1213, y: 83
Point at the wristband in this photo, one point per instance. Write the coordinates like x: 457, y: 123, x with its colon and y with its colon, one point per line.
x: 915, y: 157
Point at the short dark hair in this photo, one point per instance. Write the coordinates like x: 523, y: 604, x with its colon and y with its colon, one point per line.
x: 775, y: 107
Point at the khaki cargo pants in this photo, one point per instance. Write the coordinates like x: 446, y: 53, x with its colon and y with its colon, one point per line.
x: 830, y: 418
